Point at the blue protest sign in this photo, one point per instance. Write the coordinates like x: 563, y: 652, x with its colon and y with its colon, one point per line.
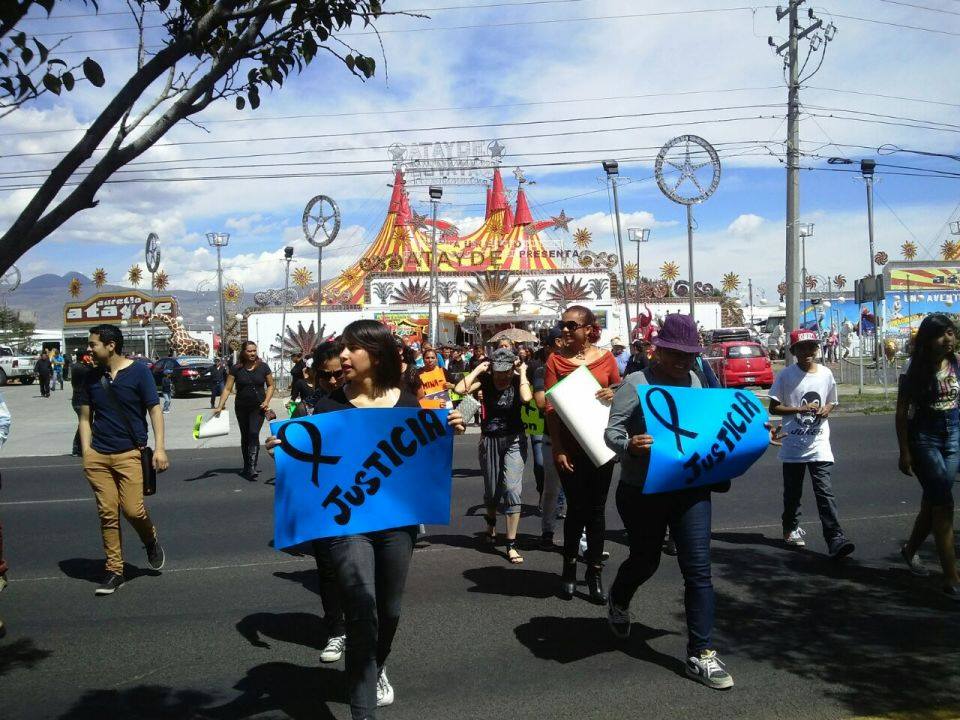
x: 360, y: 470
x: 700, y: 437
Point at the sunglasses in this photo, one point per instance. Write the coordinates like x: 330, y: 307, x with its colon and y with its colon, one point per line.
x: 571, y: 325
x: 327, y: 374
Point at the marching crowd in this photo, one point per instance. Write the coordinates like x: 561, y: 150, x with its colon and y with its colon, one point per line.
x: 505, y: 390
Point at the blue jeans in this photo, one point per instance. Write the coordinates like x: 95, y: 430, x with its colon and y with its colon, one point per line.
x: 934, y: 440
x: 646, y: 518
x: 822, y: 490
x: 167, y: 398
x: 371, y: 572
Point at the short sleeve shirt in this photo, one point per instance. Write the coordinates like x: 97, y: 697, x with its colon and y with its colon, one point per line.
x: 501, y: 407
x: 806, y: 435
x: 135, y: 391
x: 250, y: 384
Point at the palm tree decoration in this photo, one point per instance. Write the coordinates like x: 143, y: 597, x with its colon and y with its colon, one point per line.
x: 412, y: 292
x: 731, y: 281
x: 302, y: 277
x: 232, y: 293
x: 494, y: 285
x: 598, y: 286
x: 161, y: 280
x: 74, y: 287
x: 909, y: 250
x: 99, y: 277
x: 630, y: 271
x: 135, y: 275
x: 949, y: 250
x: 840, y: 281
x: 536, y: 288
x: 881, y: 258
x: 568, y: 290
x: 446, y: 290
x: 382, y: 291
x: 300, y: 341
x: 669, y: 271
x: 582, y: 238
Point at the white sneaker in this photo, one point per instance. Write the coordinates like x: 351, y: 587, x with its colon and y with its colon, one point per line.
x: 384, y: 689
x: 333, y: 650
x: 795, y: 538
x: 708, y: 669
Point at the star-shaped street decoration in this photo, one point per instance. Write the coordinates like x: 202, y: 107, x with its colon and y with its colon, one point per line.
x: 518, y: 174
x: 397, y: 151
x: 562, y: 221
x: 496, y: 150
x: 418, y: 221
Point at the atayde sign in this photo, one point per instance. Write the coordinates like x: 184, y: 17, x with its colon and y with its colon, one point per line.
x: 459, y: 162
x: 109, y: 307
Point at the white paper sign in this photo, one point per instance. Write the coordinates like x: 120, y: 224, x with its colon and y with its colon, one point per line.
x: 575, y: 400
x: 215, y: 426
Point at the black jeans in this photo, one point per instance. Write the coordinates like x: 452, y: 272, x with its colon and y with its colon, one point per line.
x: 329, y: 593
x: 822, y: 490
x: 646, y: 518
x: 44, y: 386
x: 249, y: 420
x: 586, y: 490
x: 76, y: 435
x: 371, y: 572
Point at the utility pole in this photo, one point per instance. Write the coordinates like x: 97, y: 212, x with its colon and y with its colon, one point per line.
x: 612, y: 169
x: 793, y: 72
x: 750, y: 287
x: 433, y: 315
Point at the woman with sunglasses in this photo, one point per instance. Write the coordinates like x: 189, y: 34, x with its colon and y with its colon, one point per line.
x: 254, y: 383
x: 370, y: 568
x: 584, y: 485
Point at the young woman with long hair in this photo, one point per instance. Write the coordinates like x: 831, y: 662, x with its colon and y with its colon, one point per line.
x: 928, y: 431
x: 254, y: 383
x: 585, y: 485
x: 371, y: 568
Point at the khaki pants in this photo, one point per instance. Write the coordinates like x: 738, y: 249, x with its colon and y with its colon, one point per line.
x: 117, y: 483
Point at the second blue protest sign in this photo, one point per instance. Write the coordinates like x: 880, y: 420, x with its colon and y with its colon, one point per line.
x: 355, y: 471
x: 700, y: 437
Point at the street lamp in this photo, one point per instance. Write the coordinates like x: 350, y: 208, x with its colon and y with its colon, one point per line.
x: 218, y: 241
x: 213, y: 334
x: 638, y: 235
x: 288, y: 258
x: 806, y: 230
x: 433, y: 314
x: 867, y: 168
x: 612, y: 169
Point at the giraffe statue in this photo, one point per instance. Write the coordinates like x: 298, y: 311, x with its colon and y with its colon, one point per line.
x: 181, y: 342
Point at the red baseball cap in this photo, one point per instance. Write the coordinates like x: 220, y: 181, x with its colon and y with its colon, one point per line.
x: 802, y: 336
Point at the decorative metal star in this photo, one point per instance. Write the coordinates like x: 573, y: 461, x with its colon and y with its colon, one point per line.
x: 496, y: 150
x: 518, y: 174
x: 562, y: 221
x: 688, y: 170
x: 418, y: 221
x: 397, y: 151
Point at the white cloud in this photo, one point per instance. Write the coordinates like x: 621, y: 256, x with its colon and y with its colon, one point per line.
x: 745, y: 225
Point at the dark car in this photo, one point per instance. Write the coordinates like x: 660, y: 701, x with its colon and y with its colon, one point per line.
x: 189, y: 374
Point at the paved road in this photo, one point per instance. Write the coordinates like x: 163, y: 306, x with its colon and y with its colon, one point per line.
x: 231, y: 629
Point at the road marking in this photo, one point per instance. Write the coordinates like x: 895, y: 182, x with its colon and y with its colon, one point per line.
x: 45, y: 502
x: 305, y: 558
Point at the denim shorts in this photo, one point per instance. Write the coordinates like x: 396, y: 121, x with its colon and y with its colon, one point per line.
x: 935, y: 448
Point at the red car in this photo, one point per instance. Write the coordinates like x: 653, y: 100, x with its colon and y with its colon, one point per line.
x: 740, y: 363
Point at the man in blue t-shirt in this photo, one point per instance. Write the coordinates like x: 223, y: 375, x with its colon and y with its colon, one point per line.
x: 117, y: 394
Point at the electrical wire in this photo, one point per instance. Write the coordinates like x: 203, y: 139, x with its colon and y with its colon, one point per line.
x: 885, y: 97
x: 896, y: 25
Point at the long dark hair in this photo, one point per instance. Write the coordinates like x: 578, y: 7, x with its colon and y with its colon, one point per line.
x: 241, y: 360
x: 589, y: 318
x: 377, y: 340
x: 919, y: 382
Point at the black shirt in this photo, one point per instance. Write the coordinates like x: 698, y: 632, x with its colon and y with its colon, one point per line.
x: 339, y: 396
x: 43, y: 368
x: 250, y: 384
x: 135, y: 391
x: 78, y: 377
x: 501, y: 407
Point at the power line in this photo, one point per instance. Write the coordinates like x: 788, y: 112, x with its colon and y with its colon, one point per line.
x: 886, y: 97
x: 893, y: 24
x: 886, y: 122
x: 920, y: 7
x: 881, y: 115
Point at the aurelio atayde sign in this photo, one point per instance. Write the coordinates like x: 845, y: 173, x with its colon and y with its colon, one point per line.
x: 108, y: 307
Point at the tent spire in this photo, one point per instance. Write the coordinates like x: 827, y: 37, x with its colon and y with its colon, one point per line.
x: 523, y: 216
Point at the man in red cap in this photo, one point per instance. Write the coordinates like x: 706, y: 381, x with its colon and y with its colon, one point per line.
x: 804, y: 394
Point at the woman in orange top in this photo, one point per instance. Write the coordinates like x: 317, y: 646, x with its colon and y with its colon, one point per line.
x: 584, y: 484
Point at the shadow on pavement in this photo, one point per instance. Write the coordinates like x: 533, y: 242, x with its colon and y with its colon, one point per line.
x: 299, y: 628
x: 143, y: 702
x: 307, y: 578
x: 571, y: 639
x: 512, y: 581
x: 298, y: 692
x: 877, y: 639
x: 20, y: 654
x: 93, y: 570
x: 214, y: 472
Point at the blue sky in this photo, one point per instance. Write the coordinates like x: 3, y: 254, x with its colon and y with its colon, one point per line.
x: 542, y: 69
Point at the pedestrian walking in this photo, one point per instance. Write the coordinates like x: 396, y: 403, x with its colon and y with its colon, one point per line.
x: 254, y: 383
x: 371, y: 568
x: 44, y: 370
x: 166, y: 390
x: 58, y: 364
x: 928, y: 432
x: 584, y: 485
x: 116, y: 397
x: 551, y: 495
x: 218, y: 378
x: 78, y: 377
x: 503, y: 444
x: 296, y: 373
x: 805, y: 393
x: 687, y: 513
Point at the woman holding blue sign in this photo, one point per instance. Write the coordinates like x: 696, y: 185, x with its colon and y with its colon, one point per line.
x: 371, y: 568
x: 646, y: 517
x: 928, y: 430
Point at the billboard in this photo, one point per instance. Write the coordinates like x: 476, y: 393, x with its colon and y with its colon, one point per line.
x: 115, y: 306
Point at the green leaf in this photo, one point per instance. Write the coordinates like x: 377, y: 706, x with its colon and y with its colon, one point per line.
x: 68, y: 81
x: 42, y: 49
x: 350, y: 61
x: 57, y: 61
x: 241, y: 103
x: 52, y: 83
x: 26, y: 55
x: 93, y: 72
x: 254, y: 97
x: 20, y: 40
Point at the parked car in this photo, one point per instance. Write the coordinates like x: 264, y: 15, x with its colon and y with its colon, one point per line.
x: 740, y: 363
x: 189, y: 374
x: 16, y: 367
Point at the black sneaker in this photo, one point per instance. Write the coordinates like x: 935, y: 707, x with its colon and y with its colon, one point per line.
x: 951, y: 592
x: 840, y: 547
x: 546, y: 541
x: 618, y: 619
x: 110, y: 584
x: 669, y: 546
x: 155, y: 555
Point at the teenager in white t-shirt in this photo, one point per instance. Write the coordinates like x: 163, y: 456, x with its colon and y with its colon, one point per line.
x: 804, y: 394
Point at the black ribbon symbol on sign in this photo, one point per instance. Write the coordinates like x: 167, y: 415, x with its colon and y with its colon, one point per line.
x: 315, y: 456
x: 674, y: 424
